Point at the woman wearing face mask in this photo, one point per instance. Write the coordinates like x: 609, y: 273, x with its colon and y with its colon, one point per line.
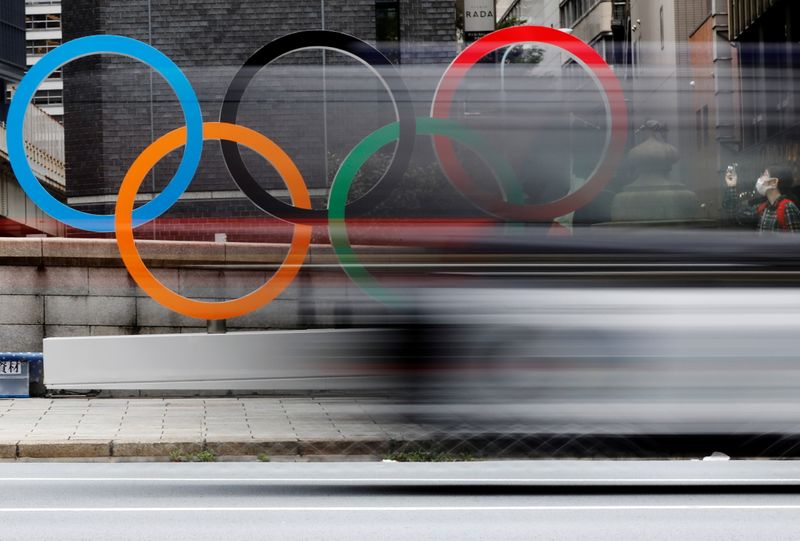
x: 776, y: 213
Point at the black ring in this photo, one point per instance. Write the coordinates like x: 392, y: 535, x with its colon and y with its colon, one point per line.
x: 313, y: 39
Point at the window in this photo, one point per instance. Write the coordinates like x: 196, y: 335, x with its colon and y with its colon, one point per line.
x: 702, y: 127
x: 49, y: 21
x: 387, y: 29
x: 574, y: 10
x: 48, y: 97
x: 39, y: 47
x: 661, y: 25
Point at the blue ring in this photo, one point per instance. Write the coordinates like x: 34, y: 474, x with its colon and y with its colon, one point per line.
x: 95, y: 45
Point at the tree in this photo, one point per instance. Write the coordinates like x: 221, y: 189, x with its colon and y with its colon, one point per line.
x: 523, y: 53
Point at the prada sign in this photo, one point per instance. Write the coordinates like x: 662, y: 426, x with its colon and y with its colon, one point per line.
x: 479, y: 15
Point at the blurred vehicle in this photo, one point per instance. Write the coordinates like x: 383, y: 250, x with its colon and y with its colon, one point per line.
x: 619, y: 330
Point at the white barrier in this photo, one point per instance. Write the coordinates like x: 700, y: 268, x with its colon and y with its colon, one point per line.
x: 270, y: 360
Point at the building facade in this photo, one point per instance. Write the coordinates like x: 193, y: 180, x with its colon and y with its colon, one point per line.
x: 745, y: 105
x: 12, y: 48
x: 43, y: 34
x: 43, y: 136
x: 661, y: 80
x: 715, y: 102
x: 600, y: 23
x: 538, y: 12
x: 317, y: 105
x: 766, y: 37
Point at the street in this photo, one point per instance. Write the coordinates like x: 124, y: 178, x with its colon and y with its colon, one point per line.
x: 472, y: 500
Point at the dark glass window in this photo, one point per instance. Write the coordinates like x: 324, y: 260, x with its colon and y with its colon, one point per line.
x: 48, y: 97
x: 40, y: 47
x: 49, y: 21
x: 387, y: 29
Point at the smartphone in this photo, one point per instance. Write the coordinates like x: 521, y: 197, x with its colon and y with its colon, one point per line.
x: 732, y: 171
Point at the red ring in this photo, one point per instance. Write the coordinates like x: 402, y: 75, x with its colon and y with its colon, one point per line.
x: 616, y: 109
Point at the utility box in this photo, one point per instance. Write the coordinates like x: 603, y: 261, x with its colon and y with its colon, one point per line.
x: 15, y: 370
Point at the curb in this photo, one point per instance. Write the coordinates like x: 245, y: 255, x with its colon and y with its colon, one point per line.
x: 160, y: 449
x: 63, y: 449
x: 519, y: 446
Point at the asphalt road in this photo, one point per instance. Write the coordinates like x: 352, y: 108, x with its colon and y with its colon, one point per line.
x: 476, y: 500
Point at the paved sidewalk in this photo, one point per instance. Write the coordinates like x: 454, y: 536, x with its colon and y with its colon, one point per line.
x: 145, y: 427
x: 292, y: 427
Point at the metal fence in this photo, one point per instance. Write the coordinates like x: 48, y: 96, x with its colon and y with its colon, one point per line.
x: 44, y: 144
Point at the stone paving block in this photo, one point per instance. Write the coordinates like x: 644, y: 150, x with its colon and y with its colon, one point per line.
x: 81, y: 310
x: 59, y: 448
x: 21, y: 310
x: 105, y: 435
x: 110, y: 403
x: 63, y: 251
x: 253, y: 447
x: 33, y: 401
x: 159, y: 330
x: 68, y: 402
x: 100, y: 421
x: 157, y: 253
x: 8, y: 449
x: 218, y: 284
x: 133, y: 448
x: 137, y: 437
x: 66, y: 331
x: 283, y: 424
x: 154, y: 427
x: 279, y: 314
x: 108, y: 330
x: 116, y: 282
x: 341, y: 446
x: 24, y: 337
x: 20, y: 280
x: 63, y: 281
x: 151, y: 314
x: 261, y: 253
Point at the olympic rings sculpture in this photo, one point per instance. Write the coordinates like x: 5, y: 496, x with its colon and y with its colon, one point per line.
x: 404, y: 131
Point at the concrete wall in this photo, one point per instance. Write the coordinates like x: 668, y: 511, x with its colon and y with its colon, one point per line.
x: 595, y: 22
x: 61, y: 287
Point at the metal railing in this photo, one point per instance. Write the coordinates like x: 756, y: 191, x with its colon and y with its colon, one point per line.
x: 44, y: 145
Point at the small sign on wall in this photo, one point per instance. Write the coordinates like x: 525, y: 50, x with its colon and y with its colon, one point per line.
x: 479, y: 16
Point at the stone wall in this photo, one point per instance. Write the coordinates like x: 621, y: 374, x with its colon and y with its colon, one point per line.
x: 61, y: 287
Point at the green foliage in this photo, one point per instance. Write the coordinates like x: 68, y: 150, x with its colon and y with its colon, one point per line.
x: 508, y: 22
x: 521, y: 54
x: 428, y: 455
x: 263, y: 457
x: 178, y: 455
x: 525, y: 54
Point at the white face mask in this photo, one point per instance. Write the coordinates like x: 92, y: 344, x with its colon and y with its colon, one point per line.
x: 762, y: 187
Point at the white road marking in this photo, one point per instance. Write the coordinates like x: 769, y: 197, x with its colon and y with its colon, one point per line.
x: 403, y: 509
x: 434, y: 480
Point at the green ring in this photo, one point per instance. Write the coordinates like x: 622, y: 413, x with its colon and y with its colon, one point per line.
x: 356, y: 159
